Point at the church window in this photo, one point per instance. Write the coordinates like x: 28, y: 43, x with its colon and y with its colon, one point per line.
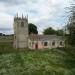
x: 45, y: 43
x: 61, y: 43
x: 22, y: 24
x: 53, y: 43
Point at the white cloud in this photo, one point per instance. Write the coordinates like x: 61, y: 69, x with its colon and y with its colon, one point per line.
x: 5, y: 20
x: 43, y: 13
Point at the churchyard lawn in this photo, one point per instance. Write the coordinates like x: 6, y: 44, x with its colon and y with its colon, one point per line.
x: 58, y: 61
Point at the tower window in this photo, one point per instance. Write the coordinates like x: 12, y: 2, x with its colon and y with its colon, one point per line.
x: 22, y: 24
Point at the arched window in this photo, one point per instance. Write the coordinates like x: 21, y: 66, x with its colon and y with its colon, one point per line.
x: 53, y: 43
x: 22, y: 24
x: 45, y: 43
x: 61, y: 43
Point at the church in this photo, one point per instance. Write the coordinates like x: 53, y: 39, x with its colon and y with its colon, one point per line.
x: 23, y: 40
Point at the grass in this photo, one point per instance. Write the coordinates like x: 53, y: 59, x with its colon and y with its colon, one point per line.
x: 60, y: 61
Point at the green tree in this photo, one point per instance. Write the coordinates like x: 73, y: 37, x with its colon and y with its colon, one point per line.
x: 1, y: 34
x: 60, y: 32
x: 49, y: 31
x: 71, y: 27
x: 32, y: 28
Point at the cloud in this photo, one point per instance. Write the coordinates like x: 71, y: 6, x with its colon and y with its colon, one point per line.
x: 43, y: 13
x: 12, y: 2
x: 5, y: 20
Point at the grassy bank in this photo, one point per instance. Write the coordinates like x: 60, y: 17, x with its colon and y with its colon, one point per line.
x: 58, y: 61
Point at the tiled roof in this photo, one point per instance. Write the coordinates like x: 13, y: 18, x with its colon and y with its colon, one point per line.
x: 45, y: 37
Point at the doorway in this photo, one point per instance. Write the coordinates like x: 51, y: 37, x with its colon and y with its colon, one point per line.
x: 36, y: 46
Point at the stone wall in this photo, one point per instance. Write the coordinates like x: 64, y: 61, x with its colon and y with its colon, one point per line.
x: 40, y: 43
x: 20, y: 32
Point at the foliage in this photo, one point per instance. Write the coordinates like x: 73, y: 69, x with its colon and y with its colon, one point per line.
x: 58, y: 61
x: 51, y: 31
x: 32, y: 28
x: 71, y: 27
x: 1, y: 34
x: 60, y: 32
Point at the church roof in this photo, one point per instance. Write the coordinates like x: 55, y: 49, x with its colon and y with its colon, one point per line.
x: 41, y: 37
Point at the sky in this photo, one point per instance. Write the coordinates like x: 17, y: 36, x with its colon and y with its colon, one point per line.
x: 42, y: 13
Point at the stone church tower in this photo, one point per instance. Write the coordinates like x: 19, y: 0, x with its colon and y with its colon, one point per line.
x: 21, y: 32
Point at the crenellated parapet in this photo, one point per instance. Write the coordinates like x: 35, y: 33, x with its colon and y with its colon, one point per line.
x: 21, y: 18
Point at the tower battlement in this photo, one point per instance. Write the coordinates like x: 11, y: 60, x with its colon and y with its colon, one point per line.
x: 21, y: 18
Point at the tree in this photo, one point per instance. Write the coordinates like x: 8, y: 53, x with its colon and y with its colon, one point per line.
x: 32, y: 28
x: 71, y: 27
x: 1, y: 34
x: 49, y: 31
x: 60, y: 32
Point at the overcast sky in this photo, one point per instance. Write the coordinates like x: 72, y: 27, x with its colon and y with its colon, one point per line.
x: 42, y: 13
